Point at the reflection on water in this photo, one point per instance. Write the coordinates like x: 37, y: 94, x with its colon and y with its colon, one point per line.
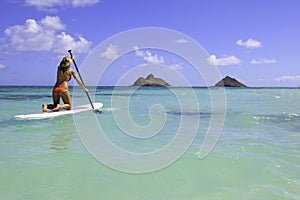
x: 61, y: 141
x: 62, y: 135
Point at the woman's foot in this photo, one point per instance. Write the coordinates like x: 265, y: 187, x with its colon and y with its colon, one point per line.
x: 44, y: 108
x: 56, y: 108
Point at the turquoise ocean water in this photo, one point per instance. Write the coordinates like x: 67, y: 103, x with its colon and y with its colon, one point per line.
x: 256, y: 157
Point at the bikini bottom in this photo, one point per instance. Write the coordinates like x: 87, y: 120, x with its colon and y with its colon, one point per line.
x: 58, y: 90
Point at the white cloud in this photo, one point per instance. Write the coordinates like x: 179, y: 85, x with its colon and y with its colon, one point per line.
x: 52, y: 22
x: 288, y: 78
x: 68, y: 42
x: 153, y: 58
x: 40, y: 4
x: 269, y: 61
x: 111, y: 52
x: 143, y: 65
x: 148, y: 56
x: 138, y: 52
x: 181, y: 41
x: 263, y: 61
x: 229, y: 60
x: 175, y: 66
x: 82, y: 3
x: 250, y: 43
x: 2, y: 66
x: 256, y: 62
x: 50, y: 5
x: 43, y: 35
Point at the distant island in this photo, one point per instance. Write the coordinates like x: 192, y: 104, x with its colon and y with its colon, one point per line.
x: 150, y: 80
x: 230, y: 82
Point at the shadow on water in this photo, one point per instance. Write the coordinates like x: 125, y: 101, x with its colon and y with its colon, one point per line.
x: 53, y: 134
x: 189, y: 112
x: 60, y: 130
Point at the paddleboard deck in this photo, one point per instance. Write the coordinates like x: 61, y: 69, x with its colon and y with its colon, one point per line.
x: 50, y: 114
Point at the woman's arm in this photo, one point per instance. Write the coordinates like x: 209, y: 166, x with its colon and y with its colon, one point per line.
x: 79, y: 81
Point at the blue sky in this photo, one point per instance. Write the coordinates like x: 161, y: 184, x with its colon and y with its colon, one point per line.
x: 254, y: 41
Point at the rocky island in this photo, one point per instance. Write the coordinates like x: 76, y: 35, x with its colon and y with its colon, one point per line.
x: 230, y: 82
x: 150, y: 80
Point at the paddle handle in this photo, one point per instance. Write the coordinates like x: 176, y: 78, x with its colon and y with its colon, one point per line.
x: 87, y: 94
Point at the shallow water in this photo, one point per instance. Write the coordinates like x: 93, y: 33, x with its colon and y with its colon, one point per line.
x: 256, y: 157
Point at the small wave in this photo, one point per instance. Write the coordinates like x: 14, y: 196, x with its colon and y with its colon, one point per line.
x: 115, y: 94
x: 23, y: 97
x: 293, y: 115
x: 277, y: 118
x: 110, y: 109
x: 287, y: 121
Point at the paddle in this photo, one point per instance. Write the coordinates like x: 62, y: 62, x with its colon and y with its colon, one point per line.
x: 87, y: 94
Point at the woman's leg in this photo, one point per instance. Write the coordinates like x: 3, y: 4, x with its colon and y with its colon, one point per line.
x: 55, y: 98
x: 65, y: 95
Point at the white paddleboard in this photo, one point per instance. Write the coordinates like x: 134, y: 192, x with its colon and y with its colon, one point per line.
x: 50, y: 114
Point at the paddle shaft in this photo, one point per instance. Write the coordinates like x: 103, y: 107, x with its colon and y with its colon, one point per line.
x: 87, y: 94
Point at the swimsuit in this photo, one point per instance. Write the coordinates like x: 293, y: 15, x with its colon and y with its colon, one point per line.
x: 58, y: 90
